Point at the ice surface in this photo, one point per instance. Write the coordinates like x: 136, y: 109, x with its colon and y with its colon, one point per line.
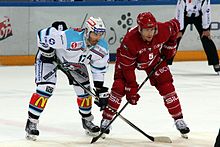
x: 197, y: 86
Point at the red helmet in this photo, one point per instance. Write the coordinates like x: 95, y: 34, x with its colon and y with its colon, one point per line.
x: 146, y: 20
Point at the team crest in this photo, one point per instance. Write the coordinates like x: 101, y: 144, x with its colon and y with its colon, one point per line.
x: 151, y: 56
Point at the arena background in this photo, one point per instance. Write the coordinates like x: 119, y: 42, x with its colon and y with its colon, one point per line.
x: 20, y: 21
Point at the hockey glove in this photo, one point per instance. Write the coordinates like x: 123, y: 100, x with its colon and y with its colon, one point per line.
x: 103, y: 95
x: 131, y: 95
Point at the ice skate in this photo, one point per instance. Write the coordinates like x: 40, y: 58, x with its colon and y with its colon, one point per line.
x: 182, y: 127
x: 31, y: 129
x: 89, y: 127
x: 104, y: 124
x: 217, y: 68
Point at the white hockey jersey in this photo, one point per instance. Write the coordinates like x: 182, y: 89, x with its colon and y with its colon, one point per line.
x: 70, y: 46
x: 194, y: 7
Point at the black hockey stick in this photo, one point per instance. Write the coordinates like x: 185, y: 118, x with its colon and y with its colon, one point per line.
x: 94, y: 139
x: 154, y: 139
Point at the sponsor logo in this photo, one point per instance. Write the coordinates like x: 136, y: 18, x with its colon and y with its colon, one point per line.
x: 5, y: 28
x: 74, y: 45
x: 41, y: 102
x: 49, y: 89
x: 86, y: 102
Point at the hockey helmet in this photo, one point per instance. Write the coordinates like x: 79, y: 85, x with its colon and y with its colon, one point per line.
x: 146, y: 20
x: 95, y: 25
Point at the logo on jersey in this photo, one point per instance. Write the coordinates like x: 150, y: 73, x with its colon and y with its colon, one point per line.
x: 151, y: 56
x: 75, y: 45
x: 51, y: 41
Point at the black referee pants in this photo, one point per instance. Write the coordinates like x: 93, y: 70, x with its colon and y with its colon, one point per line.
x: 208, y: 44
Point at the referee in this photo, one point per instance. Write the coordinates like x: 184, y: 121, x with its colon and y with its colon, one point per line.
x: 198, y: 12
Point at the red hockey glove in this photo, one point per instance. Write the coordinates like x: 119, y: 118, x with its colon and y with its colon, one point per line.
x: 168, y: 53
x: 131, y: 95
x: 175, y: 26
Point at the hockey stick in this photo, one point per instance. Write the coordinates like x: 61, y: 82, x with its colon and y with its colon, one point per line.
x: 94, y: 139
x: 84, y: 20
x: 154, y: 139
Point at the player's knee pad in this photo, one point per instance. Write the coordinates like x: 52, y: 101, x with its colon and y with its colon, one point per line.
x: 165, y: 88
x: 118, y: 87
x: 85, y: 104
x: 45, y: 89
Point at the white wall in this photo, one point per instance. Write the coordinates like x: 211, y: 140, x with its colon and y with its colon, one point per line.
x: 26, y: 21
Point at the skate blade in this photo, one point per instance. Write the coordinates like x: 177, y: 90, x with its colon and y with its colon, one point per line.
x: 31, y: 137
x: 185, y: 136
x: 91, y: 133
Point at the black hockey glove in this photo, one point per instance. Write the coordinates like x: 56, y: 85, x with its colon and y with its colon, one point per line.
x: 103, y: 95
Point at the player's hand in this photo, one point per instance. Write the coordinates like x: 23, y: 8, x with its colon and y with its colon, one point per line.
x: 131, y: 95
x: 179, y: 35
x: 103, y: 95
x: 206, y: 33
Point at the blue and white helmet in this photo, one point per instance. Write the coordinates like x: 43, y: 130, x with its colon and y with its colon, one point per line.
x: 95, y: 25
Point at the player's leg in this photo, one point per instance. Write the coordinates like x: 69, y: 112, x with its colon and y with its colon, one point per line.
x: 45, y: 76
x: 84, y: 100
x: 114, y: 101
x: 163, y: 81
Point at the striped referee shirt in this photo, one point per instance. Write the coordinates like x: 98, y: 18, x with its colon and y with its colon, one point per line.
x: 194, y: 8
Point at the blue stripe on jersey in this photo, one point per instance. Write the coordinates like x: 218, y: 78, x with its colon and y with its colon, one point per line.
x: 98, y: 68
x: 73, y: 36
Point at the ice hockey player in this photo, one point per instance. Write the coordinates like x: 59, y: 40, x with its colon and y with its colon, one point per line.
x: 142, y: 48
x: 74, y: 50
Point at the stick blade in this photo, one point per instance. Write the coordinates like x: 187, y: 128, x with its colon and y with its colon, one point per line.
x: 94, y: 139
x: 162, y: 139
